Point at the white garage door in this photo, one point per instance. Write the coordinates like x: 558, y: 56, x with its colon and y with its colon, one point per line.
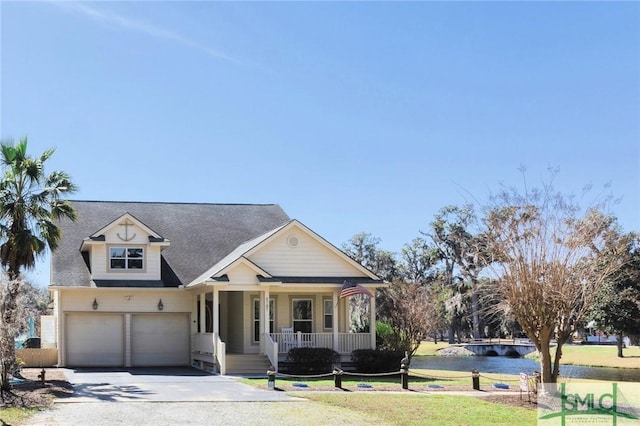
x: 95, y: 340
x: 159, y: 339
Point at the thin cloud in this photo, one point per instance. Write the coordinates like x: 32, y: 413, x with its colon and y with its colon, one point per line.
x: 140, y: 27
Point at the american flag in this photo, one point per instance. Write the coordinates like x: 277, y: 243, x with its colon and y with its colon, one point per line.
x: 349, y: 288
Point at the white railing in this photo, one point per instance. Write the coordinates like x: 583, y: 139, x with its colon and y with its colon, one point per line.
x: 220, y: 354
x: 271, y: 350
x: 347, y: 342
x: 203, y: 343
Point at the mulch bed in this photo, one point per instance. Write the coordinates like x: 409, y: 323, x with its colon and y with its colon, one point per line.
x: 30, y: 393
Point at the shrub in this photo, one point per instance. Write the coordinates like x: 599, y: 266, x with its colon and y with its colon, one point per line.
x: 385, y: 336
x: 376, y: 360
x: 311, y: 360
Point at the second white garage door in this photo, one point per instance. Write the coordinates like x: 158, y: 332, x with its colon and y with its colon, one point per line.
x: 160, y: 339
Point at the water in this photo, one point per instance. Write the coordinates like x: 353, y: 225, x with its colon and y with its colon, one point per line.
x: 503, y: 365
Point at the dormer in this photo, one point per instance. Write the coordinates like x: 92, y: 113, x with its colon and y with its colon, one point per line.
x: 124, y: 249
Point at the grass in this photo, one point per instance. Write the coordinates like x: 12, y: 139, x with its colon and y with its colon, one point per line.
x: 12, y: 416
x: 419, y: 379
x: 395, y: 409
x: 586, y: 355
x: 597, y: 356
x: 430, y: 348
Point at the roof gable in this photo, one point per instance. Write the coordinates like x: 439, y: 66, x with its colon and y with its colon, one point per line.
x: 277, y: 254
x: 126, y: 229
x: 125, y: 221
x: 296, y: 250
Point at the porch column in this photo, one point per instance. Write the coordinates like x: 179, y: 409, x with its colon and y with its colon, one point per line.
x: 372, y: 319
x: 216, y: 325
x: 265, y: 306
x: 194, y: 313
x: 203, y: 313
x: 216, y: 311
x: 336, y: 313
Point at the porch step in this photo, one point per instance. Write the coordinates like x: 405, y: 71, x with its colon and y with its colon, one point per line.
x: 247, y: 365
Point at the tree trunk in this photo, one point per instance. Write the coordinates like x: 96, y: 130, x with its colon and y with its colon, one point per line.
x: 7, y: 359
x: 556, y: 363
x: 475, y: 317
x: 545, y: 361
x: 7, y: 338
x: 619, y: 342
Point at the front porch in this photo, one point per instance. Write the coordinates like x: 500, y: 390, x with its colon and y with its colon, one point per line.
x: 268, y: 322
x: 208, y: 348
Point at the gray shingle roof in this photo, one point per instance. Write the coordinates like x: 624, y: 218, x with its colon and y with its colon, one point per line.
x: 200, y: 235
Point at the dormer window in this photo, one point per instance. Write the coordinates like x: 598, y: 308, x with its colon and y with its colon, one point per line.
x: 126, y: 257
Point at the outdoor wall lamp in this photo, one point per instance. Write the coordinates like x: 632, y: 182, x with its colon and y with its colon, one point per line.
x: 160, y: 305
x: 94, y: 304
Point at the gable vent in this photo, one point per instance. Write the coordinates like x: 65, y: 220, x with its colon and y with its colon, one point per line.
x: 292, y: 241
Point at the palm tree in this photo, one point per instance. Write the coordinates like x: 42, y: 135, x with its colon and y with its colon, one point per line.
x: 30, y: 204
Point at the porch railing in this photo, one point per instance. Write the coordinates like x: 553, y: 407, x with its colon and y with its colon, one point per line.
x: 203, y: 343
x: 271, y: 350
x: 347, y: 342
x: 220, y: 354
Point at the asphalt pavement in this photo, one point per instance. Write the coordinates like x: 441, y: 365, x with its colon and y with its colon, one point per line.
x: 180, y: 384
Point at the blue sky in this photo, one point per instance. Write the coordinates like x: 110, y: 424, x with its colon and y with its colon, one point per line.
x: 353, y: 116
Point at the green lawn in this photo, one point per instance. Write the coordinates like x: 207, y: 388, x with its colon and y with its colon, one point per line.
x: 587, y: 355
x: 419, y: 380
x: 12, y: 416
x: 598, y: 356
x: 430, y: 348
x: 397, y: 409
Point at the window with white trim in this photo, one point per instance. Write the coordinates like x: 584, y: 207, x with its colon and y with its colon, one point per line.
x: 126, y: 257
x: 302, y: 310
x: 327, y: 312
x: 256, y: 318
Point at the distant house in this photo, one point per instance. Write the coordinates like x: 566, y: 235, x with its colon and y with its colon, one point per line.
x: 209, y: 285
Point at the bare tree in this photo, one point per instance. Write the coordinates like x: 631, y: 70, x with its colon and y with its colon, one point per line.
x: 413, y: 314
x: 549, y: 261
x: 30, y: 301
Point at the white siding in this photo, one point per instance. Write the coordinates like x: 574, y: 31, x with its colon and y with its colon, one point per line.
x: 242, y: 274
x: 126, y: 300
x: 100, y: 256
x: 308, y: 258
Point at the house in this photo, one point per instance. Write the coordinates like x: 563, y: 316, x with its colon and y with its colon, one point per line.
x: 208, y: 285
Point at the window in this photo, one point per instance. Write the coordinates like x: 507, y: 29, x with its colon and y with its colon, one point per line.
x: 328, y: 313
x: 256, y: 318
x: 126, y: 257
x: 302, y: 315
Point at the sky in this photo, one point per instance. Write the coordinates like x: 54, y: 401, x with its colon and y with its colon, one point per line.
x: 352, y: 116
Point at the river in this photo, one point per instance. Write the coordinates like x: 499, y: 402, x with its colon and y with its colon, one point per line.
x: 503, y: 365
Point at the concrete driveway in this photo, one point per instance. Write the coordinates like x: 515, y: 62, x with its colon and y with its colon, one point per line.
x: 180, y: 384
